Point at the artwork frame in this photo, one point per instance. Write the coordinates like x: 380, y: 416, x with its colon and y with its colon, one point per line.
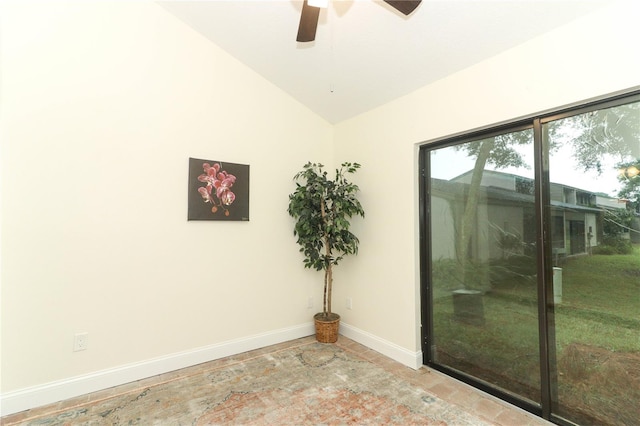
x: 218, y: 190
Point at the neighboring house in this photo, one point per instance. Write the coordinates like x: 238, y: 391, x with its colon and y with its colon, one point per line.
x: 577, y: 216
x: 506, y: 213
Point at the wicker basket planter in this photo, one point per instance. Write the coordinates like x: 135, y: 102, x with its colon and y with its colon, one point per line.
x: 327, y: 327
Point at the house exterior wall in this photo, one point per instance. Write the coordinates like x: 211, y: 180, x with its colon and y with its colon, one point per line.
x: 443, y: 231
x: 503, y: 218
x: 591, y: 225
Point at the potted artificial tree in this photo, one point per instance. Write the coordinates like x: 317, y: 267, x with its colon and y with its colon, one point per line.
x: 322, y: 208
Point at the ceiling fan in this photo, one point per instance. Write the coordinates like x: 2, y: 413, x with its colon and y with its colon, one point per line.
x: 309, y: 16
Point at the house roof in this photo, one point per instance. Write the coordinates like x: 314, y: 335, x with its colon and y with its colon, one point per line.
x: 451, y: 189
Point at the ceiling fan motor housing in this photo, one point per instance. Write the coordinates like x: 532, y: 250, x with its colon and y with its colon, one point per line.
x: 309, y: 17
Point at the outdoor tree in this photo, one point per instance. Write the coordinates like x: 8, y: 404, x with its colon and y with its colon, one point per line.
x: 629, y: 178
x: 609, y: 138
x: 605, y: 134
x: 611, y: 133
x: 498, y: 151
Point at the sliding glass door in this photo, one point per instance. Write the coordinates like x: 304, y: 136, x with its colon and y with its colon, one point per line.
x: 483, y: 260
x: 594, y: 162
x: 531, y: 262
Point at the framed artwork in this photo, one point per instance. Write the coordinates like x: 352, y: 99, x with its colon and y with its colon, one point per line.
x: 218, y: 190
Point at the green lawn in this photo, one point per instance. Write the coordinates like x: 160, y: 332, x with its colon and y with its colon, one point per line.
x: 597, y: 330
x: 609, y: 284
x: 600, y: 293
x: 601, y: 302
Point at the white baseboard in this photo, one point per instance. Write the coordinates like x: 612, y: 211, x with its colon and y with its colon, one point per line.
x: 393, y: 351
x: 24, y: 399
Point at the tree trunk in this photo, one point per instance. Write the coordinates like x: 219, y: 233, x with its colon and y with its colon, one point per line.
x: 328, y: 272
x: 328, y: 279
x: 329, y: 288
x: 471, y: 205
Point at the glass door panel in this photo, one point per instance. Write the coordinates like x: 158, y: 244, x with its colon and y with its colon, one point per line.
x: 594, y: 162
x: 483, y: 261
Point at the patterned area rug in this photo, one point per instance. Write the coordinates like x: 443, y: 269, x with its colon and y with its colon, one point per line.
x: 309, y: 384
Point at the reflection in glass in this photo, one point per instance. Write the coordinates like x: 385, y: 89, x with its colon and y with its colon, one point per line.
x: 595, y: 228
x: 483, y: 261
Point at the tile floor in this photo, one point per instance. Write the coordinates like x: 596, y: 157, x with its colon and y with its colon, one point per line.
x: 468, y: 398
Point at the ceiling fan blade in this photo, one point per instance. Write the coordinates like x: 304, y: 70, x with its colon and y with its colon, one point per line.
x: 404, y: 6
x: 308, y: 23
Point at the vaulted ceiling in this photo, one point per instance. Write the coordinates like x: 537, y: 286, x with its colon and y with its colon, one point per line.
x: 366, y: 53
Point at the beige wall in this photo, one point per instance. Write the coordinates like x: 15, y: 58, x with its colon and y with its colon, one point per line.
x: 102, y: 104
x: 588, y: 58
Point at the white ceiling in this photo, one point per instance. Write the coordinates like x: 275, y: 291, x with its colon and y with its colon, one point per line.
x: 366, y: 53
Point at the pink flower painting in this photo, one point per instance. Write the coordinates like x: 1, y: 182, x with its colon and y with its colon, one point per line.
x: 217, y: 185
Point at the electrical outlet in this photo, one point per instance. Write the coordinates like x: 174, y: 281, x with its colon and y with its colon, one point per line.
x: 310, y: 302
x: 80, y: 342
x: 349, y: 303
